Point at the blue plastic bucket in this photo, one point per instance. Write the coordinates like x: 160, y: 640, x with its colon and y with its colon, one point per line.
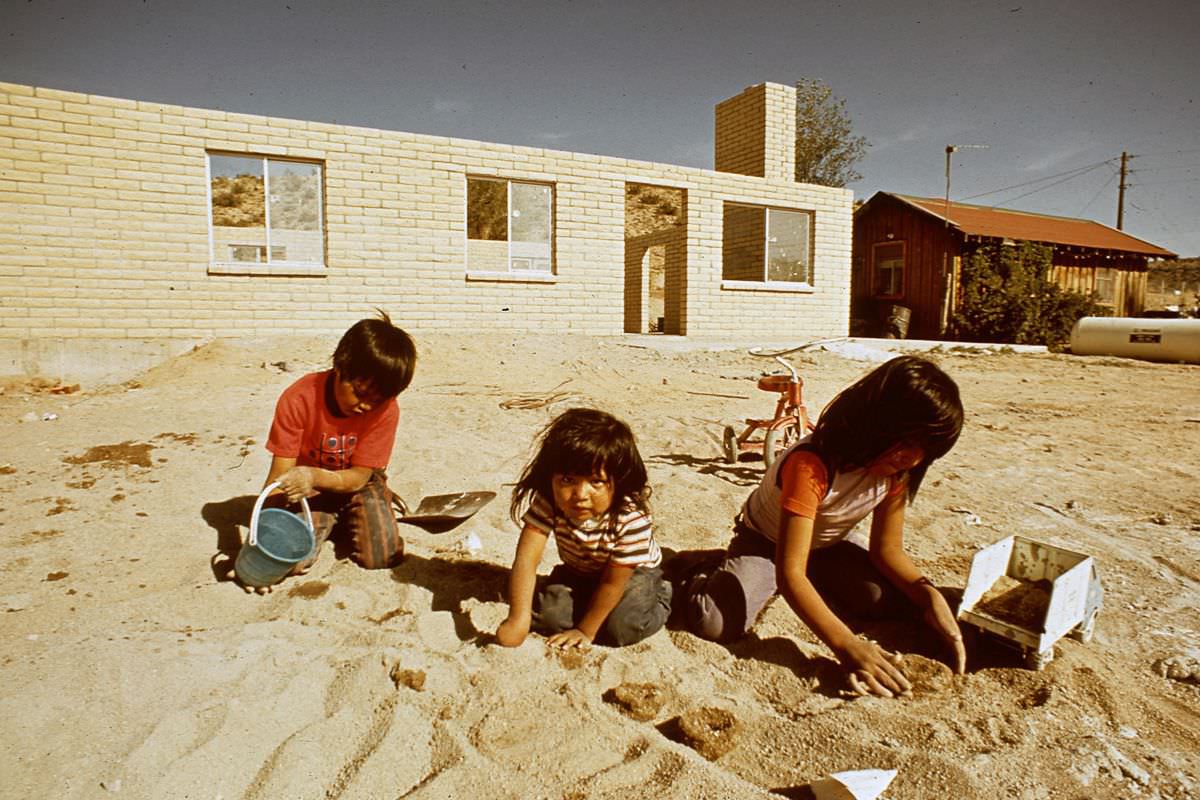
x: 278, y: 541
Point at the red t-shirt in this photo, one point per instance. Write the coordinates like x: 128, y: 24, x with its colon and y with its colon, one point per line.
x: 307, y: 429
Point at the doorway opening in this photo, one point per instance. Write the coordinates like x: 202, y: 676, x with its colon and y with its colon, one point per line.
x: 655, y: 259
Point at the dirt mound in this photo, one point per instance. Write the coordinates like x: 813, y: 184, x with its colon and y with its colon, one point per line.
x: 927, y: 676
x: 711, y: 732
x: 640, y: 701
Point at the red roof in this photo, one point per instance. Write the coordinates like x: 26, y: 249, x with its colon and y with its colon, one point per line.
x: 1004, y: 223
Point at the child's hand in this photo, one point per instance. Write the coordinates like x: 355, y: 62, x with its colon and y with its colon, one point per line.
x: 939, y: 617
x: 296, y: 483
x: 571, y: 638
x: 874, y: 670
x: 512, y: 632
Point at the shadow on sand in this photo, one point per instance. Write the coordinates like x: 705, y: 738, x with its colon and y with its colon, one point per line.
x: 453, y: 580
x: 738, y: 475
x: 225, y: 517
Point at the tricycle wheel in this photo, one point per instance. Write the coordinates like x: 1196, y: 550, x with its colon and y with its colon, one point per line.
x: 729, y: 444
x: 777, y: 440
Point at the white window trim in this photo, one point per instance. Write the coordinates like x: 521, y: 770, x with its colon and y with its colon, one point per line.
x: 766, y: 284
x: 511, y: 275
x: 275, y: 268
x: 522, y: 276
x: 272, y: 268
x: 809, y: 218
x: 875, y: 294
x: 796, y: 287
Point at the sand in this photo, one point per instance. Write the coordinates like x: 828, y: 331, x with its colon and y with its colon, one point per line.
x: 131, y: 669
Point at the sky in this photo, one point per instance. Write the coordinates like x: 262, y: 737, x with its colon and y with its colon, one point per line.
x: 1055, y: 90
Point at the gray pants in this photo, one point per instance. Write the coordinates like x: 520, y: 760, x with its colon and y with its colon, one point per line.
x: 723, y: 604
x: 563, y: 599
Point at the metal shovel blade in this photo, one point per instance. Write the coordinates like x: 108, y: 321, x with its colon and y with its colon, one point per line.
x: 439, y: 513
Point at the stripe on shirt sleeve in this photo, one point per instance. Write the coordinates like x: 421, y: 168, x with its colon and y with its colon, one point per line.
x: 540, y: 514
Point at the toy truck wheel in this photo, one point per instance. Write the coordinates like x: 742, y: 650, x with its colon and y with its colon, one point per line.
x: 1083, y: 631
x: 1037, y: 661
x: 729, y: 445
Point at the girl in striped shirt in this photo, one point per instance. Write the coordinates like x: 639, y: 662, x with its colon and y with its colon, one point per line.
x: 587, y: 486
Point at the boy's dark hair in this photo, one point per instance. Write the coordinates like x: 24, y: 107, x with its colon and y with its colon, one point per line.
x: 376, y: 351
x: 581, y: 441
x: 906, y: 400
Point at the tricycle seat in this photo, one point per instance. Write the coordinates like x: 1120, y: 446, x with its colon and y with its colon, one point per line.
x: 774, y: 383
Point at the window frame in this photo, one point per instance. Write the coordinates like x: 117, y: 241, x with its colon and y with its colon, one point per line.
x: 1109, y: 280
x: 547, y: 275
x: 765, y: 283
x: 222, y: 266
x: 875, y: 288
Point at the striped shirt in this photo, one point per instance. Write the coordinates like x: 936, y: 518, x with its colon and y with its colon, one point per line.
x: 590, y: 547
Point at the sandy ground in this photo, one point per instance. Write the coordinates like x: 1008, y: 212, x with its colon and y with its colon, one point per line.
x: 129, y: 669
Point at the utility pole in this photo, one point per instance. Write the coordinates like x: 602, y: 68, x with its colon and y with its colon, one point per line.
x: 949, y: 278
x: 1121, y: 190
x: 950, y: 150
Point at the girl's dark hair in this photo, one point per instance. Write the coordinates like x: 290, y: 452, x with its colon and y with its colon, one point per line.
x: 907, y: 400
x: 581, y: 441
x: 376, y: 351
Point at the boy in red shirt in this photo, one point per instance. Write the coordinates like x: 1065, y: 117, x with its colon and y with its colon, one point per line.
x: 332, y: 438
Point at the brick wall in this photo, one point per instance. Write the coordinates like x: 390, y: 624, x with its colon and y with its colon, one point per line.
x: 756, y: 132
x: 739, y: 139
x: 105, y: 235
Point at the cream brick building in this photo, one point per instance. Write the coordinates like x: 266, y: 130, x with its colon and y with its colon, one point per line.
x: 128, y: 225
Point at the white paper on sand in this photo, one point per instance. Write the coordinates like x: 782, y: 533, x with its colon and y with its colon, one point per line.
x: 862, y: 784
x: 859, y: 352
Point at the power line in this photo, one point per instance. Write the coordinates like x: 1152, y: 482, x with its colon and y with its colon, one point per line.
x: 1182, y: 167
x: 1154, y: 217
x: 1050, y: 185
x: 1073, y: 172
x: 1111, y: 178
x: 1170, y: 152
x: 1169, y: 180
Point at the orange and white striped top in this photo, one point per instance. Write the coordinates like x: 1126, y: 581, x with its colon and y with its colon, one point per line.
x: 626, y: 540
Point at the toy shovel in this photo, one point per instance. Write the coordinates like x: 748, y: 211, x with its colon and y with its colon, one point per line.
x: 439, y: 513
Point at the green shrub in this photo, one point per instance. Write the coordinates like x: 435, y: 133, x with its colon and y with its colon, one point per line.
x: 1009, y: 297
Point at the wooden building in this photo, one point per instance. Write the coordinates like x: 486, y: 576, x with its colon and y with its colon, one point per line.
x: 909, y: 252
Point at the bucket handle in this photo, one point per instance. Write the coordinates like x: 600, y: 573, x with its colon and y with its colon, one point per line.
x: 253, y: 541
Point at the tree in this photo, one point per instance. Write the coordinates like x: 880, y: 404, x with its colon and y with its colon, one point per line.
x: 1008, y: 297
x: 826, y: 149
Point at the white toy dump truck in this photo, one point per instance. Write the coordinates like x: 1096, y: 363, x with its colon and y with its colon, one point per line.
x: 1031, y: 594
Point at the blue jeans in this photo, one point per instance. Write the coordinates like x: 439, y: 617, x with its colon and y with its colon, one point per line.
x: 564, y: 597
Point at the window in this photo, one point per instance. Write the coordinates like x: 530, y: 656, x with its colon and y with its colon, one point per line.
x: 256, y: 253
x: 1106, y: 285
x: 766, y: 245
x: 509, y: 226
x: 888, y: 276
x: 265, y: 215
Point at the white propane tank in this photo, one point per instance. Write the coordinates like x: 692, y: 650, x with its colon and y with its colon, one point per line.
x: 1131, y: 337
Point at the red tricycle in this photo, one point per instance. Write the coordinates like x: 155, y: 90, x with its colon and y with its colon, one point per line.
x: 789, y: 424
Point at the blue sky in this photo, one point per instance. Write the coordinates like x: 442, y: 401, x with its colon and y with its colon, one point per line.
x: 1057, y: 90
